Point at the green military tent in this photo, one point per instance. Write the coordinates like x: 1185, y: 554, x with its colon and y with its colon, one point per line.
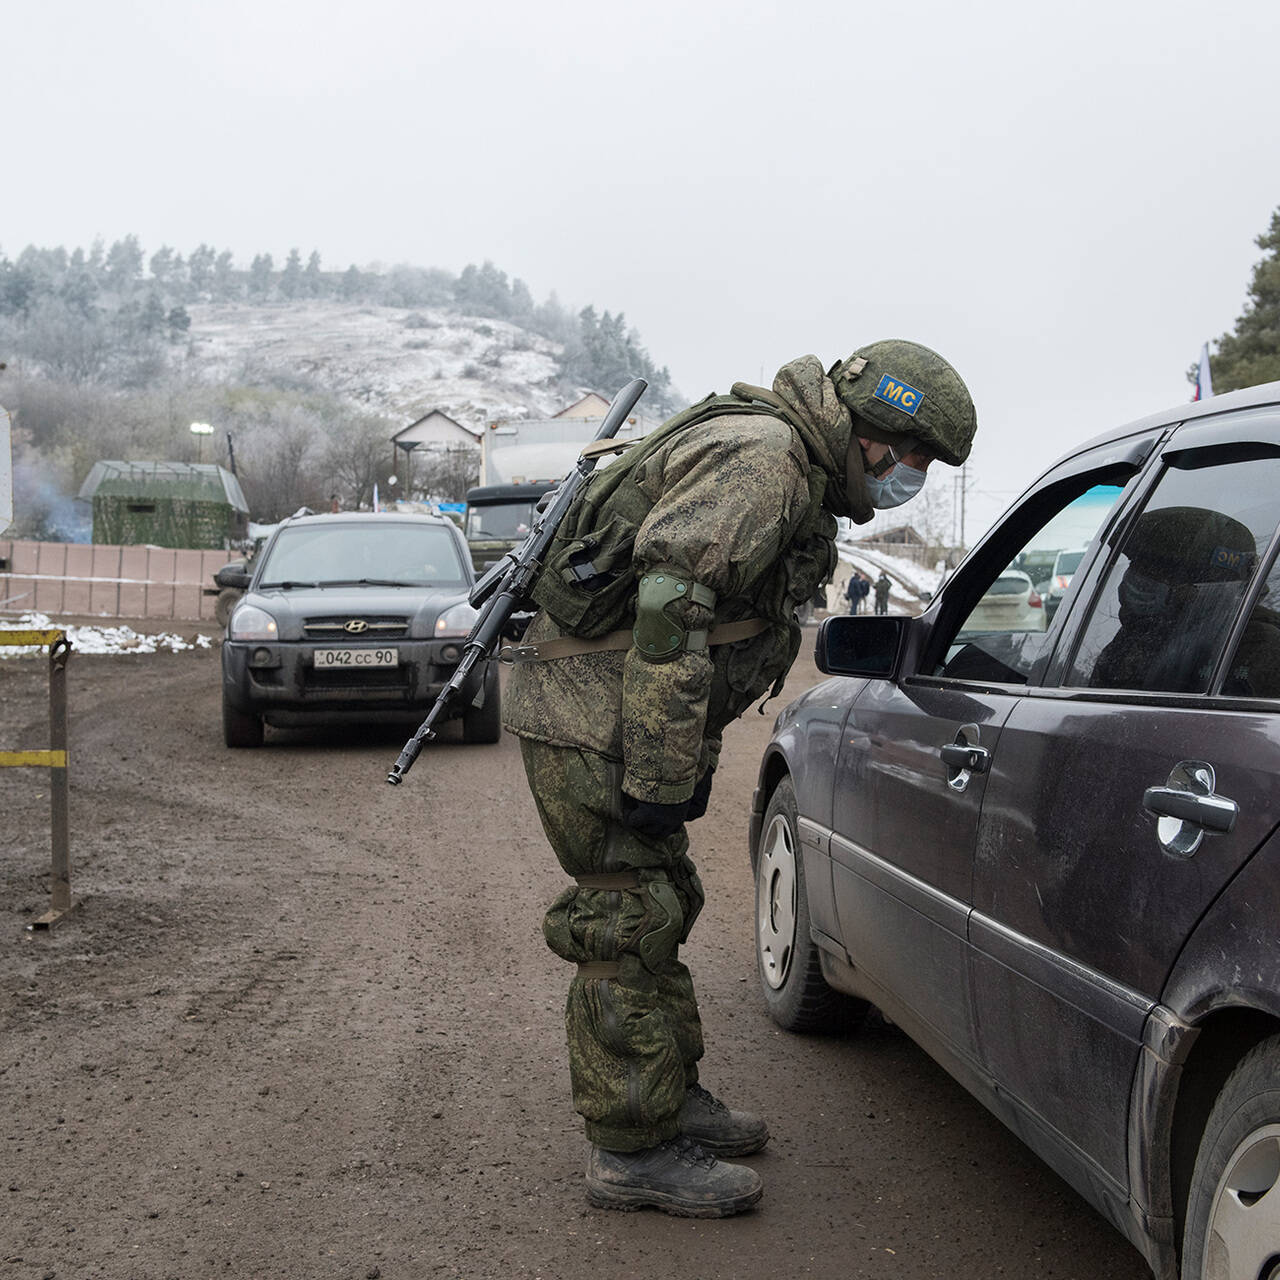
x: 166, y: 504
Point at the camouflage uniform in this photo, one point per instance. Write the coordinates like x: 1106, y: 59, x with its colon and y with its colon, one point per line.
x: 742, y: 504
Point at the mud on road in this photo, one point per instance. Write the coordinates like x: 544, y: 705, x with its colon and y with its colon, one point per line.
x: 304, y: 1025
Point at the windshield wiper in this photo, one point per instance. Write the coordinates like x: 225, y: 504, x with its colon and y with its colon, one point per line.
x: 285, y: 586
x: 363, y: 582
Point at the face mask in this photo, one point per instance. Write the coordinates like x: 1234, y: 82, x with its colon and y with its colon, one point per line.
x: 899, y: 486
x: 1143, y: 597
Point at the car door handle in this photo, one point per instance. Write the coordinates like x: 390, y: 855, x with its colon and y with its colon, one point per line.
x: 957, y: 755
x: 1212, y: 812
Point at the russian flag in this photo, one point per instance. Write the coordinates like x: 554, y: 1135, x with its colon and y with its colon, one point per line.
x: 377, y: 507
x: 1204, y: 378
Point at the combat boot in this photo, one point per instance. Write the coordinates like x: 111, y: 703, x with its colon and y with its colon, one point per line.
x: 676, y: 1176
x: 716, y: 1129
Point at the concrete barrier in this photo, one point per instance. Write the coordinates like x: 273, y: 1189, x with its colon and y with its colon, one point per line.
x: 59, y: 578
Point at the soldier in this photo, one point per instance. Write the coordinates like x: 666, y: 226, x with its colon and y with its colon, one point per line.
x: 883, y: 584
x: 666, y: 609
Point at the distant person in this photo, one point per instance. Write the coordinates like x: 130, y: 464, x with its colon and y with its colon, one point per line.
x: 856, y: 591
x: 883, y: 585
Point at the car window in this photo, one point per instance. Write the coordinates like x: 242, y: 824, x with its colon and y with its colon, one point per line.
x: 413, y: 555
x: 1255, y: 665
x: 1169, y: 601
x: 1005, y: 636
x: 500, y: 519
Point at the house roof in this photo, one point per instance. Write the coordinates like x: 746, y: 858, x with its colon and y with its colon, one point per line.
x: 193, y: 481
x: 592, y: 405
x: 444, y: 417
x: 904, y: 533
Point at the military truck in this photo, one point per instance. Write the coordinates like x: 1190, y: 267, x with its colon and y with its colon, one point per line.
x: 499, y: 517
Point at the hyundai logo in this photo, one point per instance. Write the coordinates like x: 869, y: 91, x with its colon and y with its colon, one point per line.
x: 355, y: 626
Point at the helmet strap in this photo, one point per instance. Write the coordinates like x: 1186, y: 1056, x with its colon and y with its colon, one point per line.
x: 898, y: 450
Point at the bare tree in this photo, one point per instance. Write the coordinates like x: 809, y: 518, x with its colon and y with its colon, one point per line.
x: 357, y: 457
x: 445, y: 475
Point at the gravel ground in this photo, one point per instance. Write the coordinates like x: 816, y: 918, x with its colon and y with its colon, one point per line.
x: 304, y: 1025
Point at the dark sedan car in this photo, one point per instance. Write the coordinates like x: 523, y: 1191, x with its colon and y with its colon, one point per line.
x: 1051, y: 856
x: 353, y: 618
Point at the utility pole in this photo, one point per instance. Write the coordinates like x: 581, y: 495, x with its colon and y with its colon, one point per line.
x: 964, y: 489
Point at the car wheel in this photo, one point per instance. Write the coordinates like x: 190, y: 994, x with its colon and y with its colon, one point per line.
x: 227, y: 600
x: 484, y: 724
x: 797, y: 995
x: 240, y: 728
x: 1233, y: 1210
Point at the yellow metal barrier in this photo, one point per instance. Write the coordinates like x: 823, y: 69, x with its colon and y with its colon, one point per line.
x: 55, y: 760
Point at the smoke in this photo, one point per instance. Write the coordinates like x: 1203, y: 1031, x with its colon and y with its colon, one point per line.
x: 42, y: 511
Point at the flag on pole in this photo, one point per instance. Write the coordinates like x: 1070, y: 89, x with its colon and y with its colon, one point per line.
x: 1204, y: 378
x: 376, y: 507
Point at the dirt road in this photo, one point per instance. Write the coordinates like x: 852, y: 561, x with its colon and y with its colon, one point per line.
x: 305, y: 1026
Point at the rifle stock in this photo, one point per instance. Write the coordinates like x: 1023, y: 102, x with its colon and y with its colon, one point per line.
x: 505, y: 588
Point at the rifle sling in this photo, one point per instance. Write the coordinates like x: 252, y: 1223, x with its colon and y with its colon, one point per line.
x: 572, y: 646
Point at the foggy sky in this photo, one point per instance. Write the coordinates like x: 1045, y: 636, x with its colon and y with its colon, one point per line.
x: 1060, y: 199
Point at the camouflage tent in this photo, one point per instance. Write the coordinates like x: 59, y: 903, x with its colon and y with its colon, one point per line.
x: 166, y: 504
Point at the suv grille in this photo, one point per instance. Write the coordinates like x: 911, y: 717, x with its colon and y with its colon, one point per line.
x: 337, y: 626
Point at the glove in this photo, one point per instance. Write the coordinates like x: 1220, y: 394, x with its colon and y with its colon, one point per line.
x: 698, y: 801
x: 657, y: 821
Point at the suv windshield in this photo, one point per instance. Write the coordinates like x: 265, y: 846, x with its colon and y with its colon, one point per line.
x: 411, y: 555
x: 500, y: 519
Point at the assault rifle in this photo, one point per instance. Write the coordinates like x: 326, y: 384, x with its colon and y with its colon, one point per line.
x: 505, y: 587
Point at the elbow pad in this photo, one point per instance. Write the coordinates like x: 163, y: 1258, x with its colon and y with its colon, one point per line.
x: 659, y: 634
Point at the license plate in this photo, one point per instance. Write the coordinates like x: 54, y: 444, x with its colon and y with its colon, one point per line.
x: 357, y: 658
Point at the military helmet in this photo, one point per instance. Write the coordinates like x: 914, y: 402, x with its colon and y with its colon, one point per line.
x: 1182, y: 545
x: 897, y: 388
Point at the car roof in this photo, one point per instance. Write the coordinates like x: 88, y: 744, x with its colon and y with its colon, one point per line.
x: 368, y: 517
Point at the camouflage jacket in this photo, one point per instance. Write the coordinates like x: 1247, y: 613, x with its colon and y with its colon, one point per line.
x: 736, y: 503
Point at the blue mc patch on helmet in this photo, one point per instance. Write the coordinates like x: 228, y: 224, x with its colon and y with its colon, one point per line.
x: 899, y: 394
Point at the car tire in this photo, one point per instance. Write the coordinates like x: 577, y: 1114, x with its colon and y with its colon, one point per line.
x: 484, y: 724
x: 227, y: 600
x: 1233, y: 1209
x: 787, y: 960
x: 240, y: 728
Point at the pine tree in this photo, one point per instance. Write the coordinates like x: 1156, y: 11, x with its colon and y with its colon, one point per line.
x: 1250, y: 354
x: 291, y: 276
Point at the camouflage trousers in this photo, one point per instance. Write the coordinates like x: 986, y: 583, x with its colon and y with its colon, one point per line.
x: 634, y: 1035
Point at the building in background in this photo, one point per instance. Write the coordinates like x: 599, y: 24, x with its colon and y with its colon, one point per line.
x: 189, y: 505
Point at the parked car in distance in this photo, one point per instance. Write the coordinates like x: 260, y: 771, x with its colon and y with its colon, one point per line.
x: 1010, y: 603
x: 1053, y: 856
x: 1065, y: 564
x: 353, y: 618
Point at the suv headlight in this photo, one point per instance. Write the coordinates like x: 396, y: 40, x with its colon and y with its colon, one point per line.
x: 457, y: 620
x: 249, y: 622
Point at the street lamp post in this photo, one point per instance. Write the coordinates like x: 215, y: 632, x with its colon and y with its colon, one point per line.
x: 408, y: 447
x: 200, y: 430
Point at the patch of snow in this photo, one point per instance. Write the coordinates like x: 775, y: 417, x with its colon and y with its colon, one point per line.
x: 96, y: 639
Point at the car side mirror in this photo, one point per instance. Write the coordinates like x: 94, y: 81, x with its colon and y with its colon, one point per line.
x: 234, y: 574
x: 848, y: 645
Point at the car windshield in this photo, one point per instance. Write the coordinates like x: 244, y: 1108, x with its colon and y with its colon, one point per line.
x: 1068, y: 561
x: 500, y: 519
x: 374, y: 553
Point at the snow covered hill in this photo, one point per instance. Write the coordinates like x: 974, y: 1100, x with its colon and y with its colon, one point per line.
x: 397, y: 361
